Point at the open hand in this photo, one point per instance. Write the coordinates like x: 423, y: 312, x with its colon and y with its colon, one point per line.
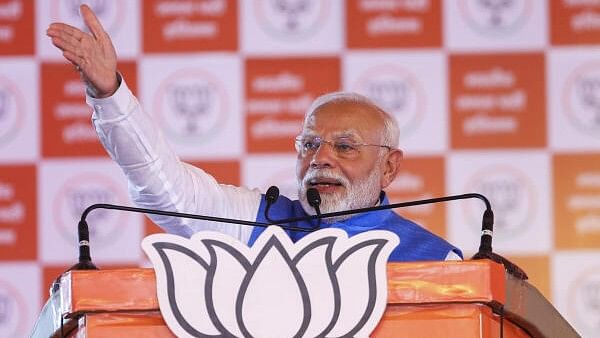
x: 93, y: 54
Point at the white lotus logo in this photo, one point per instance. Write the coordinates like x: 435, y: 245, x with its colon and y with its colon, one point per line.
x: 325, y: 285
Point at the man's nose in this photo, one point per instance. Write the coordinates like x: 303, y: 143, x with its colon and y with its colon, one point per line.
x: 324, y: 157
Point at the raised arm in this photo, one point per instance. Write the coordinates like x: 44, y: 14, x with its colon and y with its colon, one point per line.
x: 157, y: 178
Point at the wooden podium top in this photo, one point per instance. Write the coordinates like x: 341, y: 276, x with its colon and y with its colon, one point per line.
x: 414, y: 284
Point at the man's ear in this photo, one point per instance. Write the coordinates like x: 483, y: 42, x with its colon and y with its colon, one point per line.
x: 390, y: 167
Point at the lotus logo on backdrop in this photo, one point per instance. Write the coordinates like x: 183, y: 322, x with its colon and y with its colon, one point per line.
x: 397, y: 91
x: 582, y: 98
x: 326, y: 284
x: 4, y: 309
x: 99, y: 6
x: 110, y: 12
x: 589, y: 91
x: 4, y: 111
x: 7, y: 315
x: 78, y: 193
x: 495, y: 16
x: 12, y: 111
x: 584, y: 299
x: 291, y: 18
x: 191, y: 102
x: 511, y: 196
x: 591, y: 296
x: 100, y: 220
x: 12, y: 312
x: 191, y: 105
x: 80, y: 199
x: 391, y: 94
x: 3, y: 105
x: 291, y: 11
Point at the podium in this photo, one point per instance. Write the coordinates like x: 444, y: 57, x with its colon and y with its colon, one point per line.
x: 425, y: 299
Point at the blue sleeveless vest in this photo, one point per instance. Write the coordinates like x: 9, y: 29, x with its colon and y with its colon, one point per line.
x: 416, y: 243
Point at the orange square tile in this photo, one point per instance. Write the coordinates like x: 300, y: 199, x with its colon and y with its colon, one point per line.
x: 421, y: 178
x: 278, y: 92
x: 577, y: 201
x: 497, y: 101
x: 66, y: 119
x: 574, y: 22
x: 16, y: 27
x: 388, y: 24
x: 170, y: 26
x: 18, y: 212
x: 538, y: 271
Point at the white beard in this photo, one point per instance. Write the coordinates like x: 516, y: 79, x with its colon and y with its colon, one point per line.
x: 362, y: 194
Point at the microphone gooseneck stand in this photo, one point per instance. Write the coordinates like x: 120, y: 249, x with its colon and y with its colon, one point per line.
x: 485, y: 248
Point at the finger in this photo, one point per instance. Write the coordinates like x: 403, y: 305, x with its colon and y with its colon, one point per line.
x: 91, y: 21
x: 61, y: 34
x: 63, y: 45
x: 74, y: 59
x: 79, y: 52
x: 61, y: 28
x: 66, y: 42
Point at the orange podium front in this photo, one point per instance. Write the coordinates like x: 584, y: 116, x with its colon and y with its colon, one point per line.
x: 425, y: 299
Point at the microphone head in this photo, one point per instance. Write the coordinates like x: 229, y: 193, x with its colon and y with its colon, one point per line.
x: 313, y: 197
x: 272, y: 194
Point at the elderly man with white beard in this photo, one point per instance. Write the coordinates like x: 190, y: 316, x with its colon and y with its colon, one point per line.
x: 348, y: 151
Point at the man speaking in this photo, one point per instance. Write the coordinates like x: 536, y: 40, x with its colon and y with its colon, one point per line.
x: 347, y: 150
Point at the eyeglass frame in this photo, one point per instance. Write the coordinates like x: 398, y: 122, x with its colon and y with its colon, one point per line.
x: 300, y: 147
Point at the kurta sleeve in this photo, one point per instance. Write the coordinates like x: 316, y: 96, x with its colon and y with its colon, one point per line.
x: 158, y: 179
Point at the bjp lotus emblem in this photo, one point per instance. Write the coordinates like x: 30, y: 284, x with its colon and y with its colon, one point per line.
x: 324, y: 285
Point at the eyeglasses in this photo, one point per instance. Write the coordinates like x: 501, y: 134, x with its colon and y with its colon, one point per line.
x: 344, y: 147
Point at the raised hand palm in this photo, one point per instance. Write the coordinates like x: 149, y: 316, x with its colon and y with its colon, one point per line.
x: 93, y: 53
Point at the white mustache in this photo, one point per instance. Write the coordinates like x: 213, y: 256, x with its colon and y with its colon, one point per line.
x: 316, y: 174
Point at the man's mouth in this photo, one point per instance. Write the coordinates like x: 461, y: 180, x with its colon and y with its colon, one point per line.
x: 324, y: 183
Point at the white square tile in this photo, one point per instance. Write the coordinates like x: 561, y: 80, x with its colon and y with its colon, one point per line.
x: 120, y: 19
x: 574, y: 98
x: 67, y: 187
x: 410, y: 86
x: 19, y: 110
x: 471, y: 25
x: 576, y: 289
x: 19, y: 298
x: 196, y: 101
x: 518, y: 187
x: 292, y: 27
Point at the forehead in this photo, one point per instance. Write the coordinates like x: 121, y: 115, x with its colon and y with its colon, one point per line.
x: 345, y: 118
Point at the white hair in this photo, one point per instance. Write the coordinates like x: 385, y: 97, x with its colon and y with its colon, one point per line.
x: 391, y: 132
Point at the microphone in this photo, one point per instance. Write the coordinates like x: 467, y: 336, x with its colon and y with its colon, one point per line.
x: 312, y: 195
x: 271, y: 197
x: 485, y: 247
x: 85, y: 259
x: 314, y: 200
